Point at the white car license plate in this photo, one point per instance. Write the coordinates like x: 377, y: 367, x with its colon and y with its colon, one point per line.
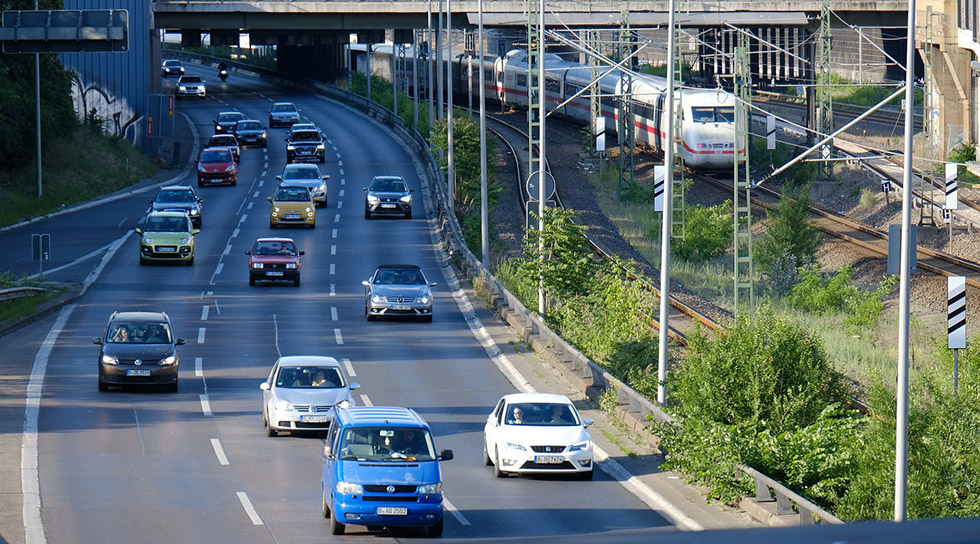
x: 387, y: 205
x: 273, y: 273
x: 292, y: 216
x: 314, y: 419
x: 400, y: 307
x: 549, y: 459
x: 166, y: 249
x: 392, y: 511
x: 138, y: 372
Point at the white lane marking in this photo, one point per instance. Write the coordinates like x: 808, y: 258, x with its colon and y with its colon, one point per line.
x: 242, y: 219
x: 265, y: 164
x: 261, y: 182
x: 341, y: 171
x: 265, y: 173
x: 338, y: 155
x: 118, y: 242
x: 343, y: 181
x: 333, y: 289
x: 333, y: 313
x: 341, y: 192
x: 329, y: 141
x: 333, y: 269
x: 367, y: 402
x: 234, y: 233
x: 456, y: 513
x: 121, y: 222
x: 336, y: 218
x: 204, y: 312
x: 206, y: 405
x: 227, y: 249
x: 200, y: 335
x: 139, y: 430
x: 219, y: 452
x: 198, y: 367
x: 334, y: 233
x: 218, y: 269
x: 340, y: 163
x: 250, y: 204
x: 216, y: 308
x: 349, y: 367
x: 333, y: 249
x: 339, y: 337
x: 249, y: 509
x: 335, y: 148
x: 210, y: 293
x: 340, y: 204
x: 255, y: 194
x: 275, y: 323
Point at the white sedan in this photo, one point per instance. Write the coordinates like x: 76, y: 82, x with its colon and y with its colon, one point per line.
x: 302, y: 393
x: 535, y: 433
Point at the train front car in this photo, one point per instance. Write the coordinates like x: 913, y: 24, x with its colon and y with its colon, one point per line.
x: 708, y: 130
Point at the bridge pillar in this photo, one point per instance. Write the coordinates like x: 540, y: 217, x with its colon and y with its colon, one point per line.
x: 318, y: 56
x: 951, y: 120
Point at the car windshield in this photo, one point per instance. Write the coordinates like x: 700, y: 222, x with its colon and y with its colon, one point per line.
x: 229, y: 117
x: 174, y: 63
x: 302, y: 172
x: 387, y: 444
x: 305, y: 135
x: 222, y: 140
x: 307, y: 377
x: 166, y: 224
x: 388, y: 185
x: 216, y: 155
x: 175, y: 196
x: 293, y: 194
x: 251, y: 125
x: 542, y: 414
x: 275, y: 247
x: 399, y: 276
x: 283, y: 107
x: 139, y: 333
x: 190, y: 79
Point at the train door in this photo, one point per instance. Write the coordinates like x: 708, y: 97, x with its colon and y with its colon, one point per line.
x: 498, y: 78
x: 658, y: 109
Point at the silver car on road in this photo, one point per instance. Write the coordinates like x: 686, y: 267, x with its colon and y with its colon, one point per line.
x: 398, y: 290
x: 302, y: 392
x: 308, y: 175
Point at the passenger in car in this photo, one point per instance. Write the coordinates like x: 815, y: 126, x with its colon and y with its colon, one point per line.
x: 121, y: 334
x: 517, y: 416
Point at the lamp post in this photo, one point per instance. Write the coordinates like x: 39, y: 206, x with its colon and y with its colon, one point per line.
x: 665, y: 227
x: 484, y: 213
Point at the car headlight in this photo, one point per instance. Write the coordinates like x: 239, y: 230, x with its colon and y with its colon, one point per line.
x: 109, y: 360
x: 424, y: 299
x: 258, y: 265
x: 322, y: 187
x: 307, y: 209
x: 276, y: 209
x: 167, y: 361
x: 185, y: 240
x: 183, y: 88
x: 230, y: 167
x: 263, y: 135
x: 201, y: 168
x: 343, y: 404
x: 290, y: 265
x: 195, y: 211
x: 320, y: 147
x: 347, y: 488
x: 406, y: 199
x: 430, y: 489
x: 372, y: 199
x: 290, y: 147
x: 513, y: 446
x: 579, y: 447
x: 146, y: 240
x: 378, y: 298
x: 282, y: 405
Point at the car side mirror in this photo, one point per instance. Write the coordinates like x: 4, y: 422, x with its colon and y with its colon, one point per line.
x: 328, y: 452
x: 365, y: 189
x: 433, y: 284
x: 366, y: 283
x: 587, y: 422
x: 446, y: 455
x: 97, y: 340
x: 269, y: 199
x: 180, y: 342
x: 492, y: 419
x: 265, y: 386
x: 278, y: 178
x: 354, y: 385
x: 286, y: 139
x: 325, y: 178
x: 195, y: 232
x: 138, y: 230
x: 215, y: 122
x: 248, y: 252
x: 411, y: 190
x: 301, y: 252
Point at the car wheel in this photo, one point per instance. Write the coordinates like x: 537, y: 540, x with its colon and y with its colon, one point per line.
x: 296, y: 282
x: 270, y: 431
x: 586, y: 475
x: 408, y: 214
x: 336, y: 527
x: 190, y: 261
x: 371, y: 317
x: 324, y: 506
x: 427, y: 318
x: 436, y: 530
x: 272, y: 225
x: 251, y: 281
x: 313, y: 226
x: 142, y: 261
x: 496, y: 467
x: 323, y: 160
x: 486, y: 456
x: 102, y: 385
x: 173, y: 387
x: 367, y: 214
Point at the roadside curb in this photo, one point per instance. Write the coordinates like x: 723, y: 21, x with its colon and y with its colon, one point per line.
x: 43, y: 310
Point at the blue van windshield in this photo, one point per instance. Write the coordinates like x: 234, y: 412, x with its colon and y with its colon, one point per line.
x: 392, y: 444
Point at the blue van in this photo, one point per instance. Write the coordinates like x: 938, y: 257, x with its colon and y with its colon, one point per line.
x: 380, y: 468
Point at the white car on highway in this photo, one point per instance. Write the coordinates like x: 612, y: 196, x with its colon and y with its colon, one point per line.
x: 302, y: 392
x: 535, y: 433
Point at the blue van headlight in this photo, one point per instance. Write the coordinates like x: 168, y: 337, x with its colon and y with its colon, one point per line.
x: 430, y: 489
x: 347, y: 488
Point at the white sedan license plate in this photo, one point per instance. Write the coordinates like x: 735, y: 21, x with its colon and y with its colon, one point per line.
x: 273, y: 273
x: 400, y: 307
x: 138, y: 372
x: 387, y: 205
x: 165, y: 249
x: 314, y: 419
x: 392, y: 511
x: 549, y: 459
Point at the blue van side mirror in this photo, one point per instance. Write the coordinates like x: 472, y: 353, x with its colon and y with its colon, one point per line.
x: 446, y: 455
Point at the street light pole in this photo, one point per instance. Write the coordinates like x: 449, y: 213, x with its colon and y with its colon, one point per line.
x: 449, y: 113
x: 484, y: 191
x: 428, y: 62
x: 439, y: 94
x: 666, y: 223
x: 37, y: 112
x: 542, y: 161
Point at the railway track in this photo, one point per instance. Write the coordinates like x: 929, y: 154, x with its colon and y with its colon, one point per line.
x: 845, y: 113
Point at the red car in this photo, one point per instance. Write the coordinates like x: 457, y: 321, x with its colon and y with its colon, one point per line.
x: 274, y: 259
x: 216, y: 166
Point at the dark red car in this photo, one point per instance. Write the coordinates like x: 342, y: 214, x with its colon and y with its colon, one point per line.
x: 217, y: 166
x: 274, y: 259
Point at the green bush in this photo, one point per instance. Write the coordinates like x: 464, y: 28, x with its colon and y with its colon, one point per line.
x: 836, y: 294
x: 962, y: 153
x: 789, y: 231
x: 708, y: 232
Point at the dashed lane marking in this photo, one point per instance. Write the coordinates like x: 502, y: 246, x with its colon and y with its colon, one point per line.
x: 333, y: 270
x: 200, y: 335
x: 198, y: 367
x: 242, y: 220
x: 341, y: 192
x: 340, y: 204
x: 255, y: 194
x: 334, y: 233
x: 250, y: 204
x: 204, y: 313
x: 249, y: 509
x: 219, y: 452
x: 349, y: 367
x: 333, y: 250
x: 336, y: 218
x: 333, y: 289
x: 366, y: 401
x: 227, y: 250
x: 333, y: 313
x: 234, y: 233
x: 339, y: 337
x: 206, y: 405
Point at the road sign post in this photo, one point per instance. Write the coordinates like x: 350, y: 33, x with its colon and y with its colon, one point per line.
x: 40, y: 250
x: 956, y: 322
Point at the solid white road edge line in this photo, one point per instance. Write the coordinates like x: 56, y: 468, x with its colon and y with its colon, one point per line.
x: 249, y: 509
x: 219, y: 452
x: 456, y: 513
x: 349, y: 367
x: 29, y: 478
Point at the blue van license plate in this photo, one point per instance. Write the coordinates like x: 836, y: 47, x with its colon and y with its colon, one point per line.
x: 392, y: 511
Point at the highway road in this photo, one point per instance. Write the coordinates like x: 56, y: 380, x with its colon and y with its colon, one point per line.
x: 195, y: 466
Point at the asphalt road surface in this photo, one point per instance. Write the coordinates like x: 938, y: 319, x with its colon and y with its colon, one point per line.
x: 195, y: 466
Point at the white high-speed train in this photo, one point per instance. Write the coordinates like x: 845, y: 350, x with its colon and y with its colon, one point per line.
x: 708, y: 123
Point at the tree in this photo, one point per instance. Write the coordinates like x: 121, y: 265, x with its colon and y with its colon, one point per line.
x: 789, y: 232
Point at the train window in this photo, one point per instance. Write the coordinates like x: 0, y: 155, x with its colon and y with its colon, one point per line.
x: 703, y: 115
x: 552, y: 85
x: 570, y: 89
x: 725, y: 115
x: 522, y: 80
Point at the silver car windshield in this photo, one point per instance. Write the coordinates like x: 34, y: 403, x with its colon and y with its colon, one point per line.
x: 309, y: 377
x: 386, y: 444
x: 305, y: 172
x: 399, y: 276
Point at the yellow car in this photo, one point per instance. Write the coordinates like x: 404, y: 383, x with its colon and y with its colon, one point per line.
x: 167, y: 236
x: 292, y: 205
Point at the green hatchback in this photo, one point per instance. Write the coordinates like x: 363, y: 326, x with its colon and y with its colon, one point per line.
x: 167, y: 236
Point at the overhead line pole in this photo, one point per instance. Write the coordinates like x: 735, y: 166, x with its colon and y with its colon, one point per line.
x: 37, y: 112
x: 449, y: 98
x: 542, y: 105
x: 428, y: 61
x: 484, y: 190
x: 439, y: 93
x: 665, y: 230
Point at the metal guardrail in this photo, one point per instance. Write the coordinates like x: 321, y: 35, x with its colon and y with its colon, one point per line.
x: 571, y: 357
x: 20, y: 292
